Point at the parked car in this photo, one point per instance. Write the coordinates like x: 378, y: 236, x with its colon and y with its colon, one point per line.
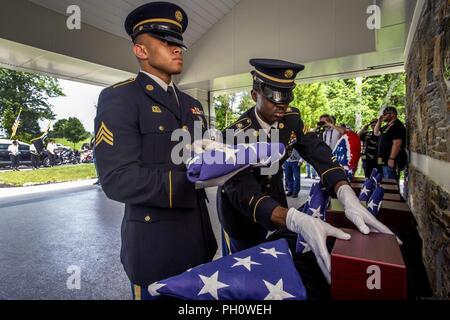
x: 24, y: 148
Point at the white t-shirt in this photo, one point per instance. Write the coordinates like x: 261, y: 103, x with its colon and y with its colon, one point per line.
x: 51, y: 148
x: 14, y: 150
x: 331, y: 137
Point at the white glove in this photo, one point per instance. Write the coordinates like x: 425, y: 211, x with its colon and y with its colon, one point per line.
x: 315, y: 233
x: 358, y: 215
x: 206, y: 144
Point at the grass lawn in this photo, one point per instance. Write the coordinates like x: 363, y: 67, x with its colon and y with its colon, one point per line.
x: 70, y: 144
x: 48, y: 175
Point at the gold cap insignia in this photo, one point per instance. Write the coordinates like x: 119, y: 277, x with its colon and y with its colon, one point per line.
x: 179, y: 16
x: 156, y: 109
x: 150, y: 87
x: 104, y: 135
x: 289, y: 73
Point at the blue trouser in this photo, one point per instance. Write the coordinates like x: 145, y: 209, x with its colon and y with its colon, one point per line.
x: 310, y: 171
x: 292, y: 172
x: 389, y: 173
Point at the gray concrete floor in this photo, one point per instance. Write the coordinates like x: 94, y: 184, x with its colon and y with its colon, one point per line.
x: 42, y: 235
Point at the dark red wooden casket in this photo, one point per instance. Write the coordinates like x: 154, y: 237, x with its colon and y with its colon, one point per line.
x: 368, y: 267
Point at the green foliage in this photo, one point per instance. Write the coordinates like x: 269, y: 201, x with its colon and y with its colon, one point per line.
x: 31, y: 93
x: 74, y: 131
x: 48, y: 175
x: 71, y: 130
x: 68, y: 143
x: 312, y: 101
x: 58, y: 129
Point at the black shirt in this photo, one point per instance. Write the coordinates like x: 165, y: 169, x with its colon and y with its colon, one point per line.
x: 393, y: 131
x: 370, y: 145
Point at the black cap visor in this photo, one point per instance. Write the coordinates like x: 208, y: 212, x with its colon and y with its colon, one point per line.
x: 276, y: 95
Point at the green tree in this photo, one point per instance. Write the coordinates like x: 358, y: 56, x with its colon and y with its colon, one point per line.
x: 246, y: 103
x: 31, y: 93
x: 74, y: 131
x: 58, y: 129
x: 312, y: 101
x: 225, y: 115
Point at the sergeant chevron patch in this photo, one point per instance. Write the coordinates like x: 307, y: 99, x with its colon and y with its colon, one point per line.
x: 104, y: 135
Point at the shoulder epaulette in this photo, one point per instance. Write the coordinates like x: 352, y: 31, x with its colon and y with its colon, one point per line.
x: 292, y: 111
x: 241, y: 124
x: 123, y: 83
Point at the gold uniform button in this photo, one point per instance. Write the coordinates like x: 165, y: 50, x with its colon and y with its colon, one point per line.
x: 161, y: 128
x: 185, y: 128
x: 148, y: 219
x: 281, y: 126
x: 150, y: 87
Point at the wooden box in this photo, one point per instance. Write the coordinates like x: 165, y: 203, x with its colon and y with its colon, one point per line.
x: 368, y: 268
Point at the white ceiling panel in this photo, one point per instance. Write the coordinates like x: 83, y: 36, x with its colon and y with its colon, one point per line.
x: 109, y: 15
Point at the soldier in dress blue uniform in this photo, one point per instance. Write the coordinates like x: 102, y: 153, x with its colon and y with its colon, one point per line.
x: 250, y: 204
x: 166, y: 228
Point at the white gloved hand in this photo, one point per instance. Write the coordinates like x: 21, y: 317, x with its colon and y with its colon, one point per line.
x: 358, y: 215
x: 207, y: 144
x: 315, y: 233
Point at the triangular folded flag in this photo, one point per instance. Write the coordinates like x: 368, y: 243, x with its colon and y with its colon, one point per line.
x: 375, y: 201
x: 264, y: 272
x: 316, y: 206
x: 214, y: 167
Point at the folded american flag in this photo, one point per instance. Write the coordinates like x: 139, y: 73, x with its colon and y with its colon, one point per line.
x: 215, y: 166
x: 315, y: 206
x: 375, y: 201
x: 265, y: 272
x: 370, y: 185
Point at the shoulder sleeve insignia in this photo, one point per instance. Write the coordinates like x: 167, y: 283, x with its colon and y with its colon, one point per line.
x: 104, y: 135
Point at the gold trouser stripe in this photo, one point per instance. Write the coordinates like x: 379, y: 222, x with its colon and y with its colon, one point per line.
x: 170, y: 190
x: 332, y: 169
x: 158, y: 20
x: 137, y: 293
x: 273, y: 78
x: 256, y: 206
x: 227, y: 241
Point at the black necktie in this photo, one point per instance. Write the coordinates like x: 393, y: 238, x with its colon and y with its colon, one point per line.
x: 172, y: 98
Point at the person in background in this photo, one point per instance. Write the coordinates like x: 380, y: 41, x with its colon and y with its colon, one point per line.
x: 392, y: 144
x: 35, y: 158
x: 51, y: 147
x: 292, y: 173
x: 14, y: 155
x: 369, y: 148
x: 332, y: 132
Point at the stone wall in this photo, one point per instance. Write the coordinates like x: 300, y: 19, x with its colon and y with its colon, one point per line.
x: 428, y: 124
